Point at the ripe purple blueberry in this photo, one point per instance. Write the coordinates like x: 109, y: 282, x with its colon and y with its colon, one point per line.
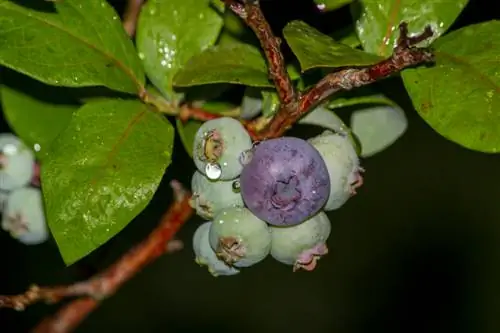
x: 285, y: 181
x: 301, y: 245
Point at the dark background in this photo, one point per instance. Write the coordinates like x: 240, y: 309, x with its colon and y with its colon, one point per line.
x: 417, y: 250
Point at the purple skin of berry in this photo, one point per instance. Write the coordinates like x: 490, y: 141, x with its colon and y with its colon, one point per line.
x: 301, y: 245
x: 284, y: 181
x: 206, y: 256
x: 239, y: 238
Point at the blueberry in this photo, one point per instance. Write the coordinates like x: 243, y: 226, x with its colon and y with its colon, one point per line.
x: 217, y: 147
x: 16, y: 163
x: 24, y: 216
x: 205, y: 255
x: 301, y: 245
x: 285, y: 181
x: 343, y: 167
x: 210, y: 196
x: 239, y: 238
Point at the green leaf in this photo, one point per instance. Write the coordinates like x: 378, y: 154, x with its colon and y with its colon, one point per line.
x: 39, y: 116
x: 314, y: 49
x: 377, y: 21
x: 102, y: 172
x: 187, y: 130
x: 229, y: 63
x: 342, y: 102
x: 460, y: 96
x: 377, y: 128
x: 79, y: 44
x: 347, y: 36
x: 327, y: 5
x: 169, y: 33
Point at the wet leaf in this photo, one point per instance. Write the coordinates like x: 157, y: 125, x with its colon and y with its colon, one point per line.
x: 229, y: 63
x: 342, y: 102
x: 36, y: 112
x: 102, y: 171
x: 315, y: 49
x: 377, y: 21
x: 169, y: 33
x: 459, y: 97
x: 326, y: 5
x: 69, y: 43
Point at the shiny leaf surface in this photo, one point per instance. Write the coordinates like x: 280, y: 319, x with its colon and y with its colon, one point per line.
x: 69, y: 43
x: 102, y: 171
x: 459, y: 97
x: 169, y: 33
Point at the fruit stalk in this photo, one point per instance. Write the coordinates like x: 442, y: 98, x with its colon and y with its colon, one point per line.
x: 106, y: 283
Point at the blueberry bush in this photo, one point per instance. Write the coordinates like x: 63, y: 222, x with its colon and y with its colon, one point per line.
x: 99, y: 111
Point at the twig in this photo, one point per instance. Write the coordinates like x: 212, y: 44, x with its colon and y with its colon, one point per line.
x: 106, y: 283
x: 131, y: 15
x: 404, y: 56
x: 252, y: 15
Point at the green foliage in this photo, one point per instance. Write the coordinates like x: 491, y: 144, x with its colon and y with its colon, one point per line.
x: 460, y: 96
x: 102, y: 172
x: 37, y: 117
x: 314, y: 49
x: 76, y: 44
x: 169, y: 33
x: 102, y: 162
x: 229, y: 63
x: 377, y: 21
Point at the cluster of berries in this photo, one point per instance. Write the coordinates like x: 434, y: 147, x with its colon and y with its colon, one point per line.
x: 267, y: 197
x: 21, y: 203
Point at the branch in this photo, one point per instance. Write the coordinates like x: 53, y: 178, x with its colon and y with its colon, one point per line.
x: 405, y: 55
x: 252, y: 15
x: 106, y: 283
x: 131, y: 15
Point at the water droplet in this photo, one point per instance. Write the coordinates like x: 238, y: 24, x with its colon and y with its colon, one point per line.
x: 152, y: 11
x: 163, y: 62
x: 142, y: 56
x: 115, y: 17
x: 213, y: 171
x: 321, y: 6
x: 201, y: 16
x: 103, y: 3
x: 236, y: 186
x: 37, y: 147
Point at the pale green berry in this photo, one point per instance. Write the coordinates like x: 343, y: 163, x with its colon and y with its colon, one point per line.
x: 301, y: 245
x: 16, y: 163
x: 239, y: 238
x: 210, y: 196
x: 24, y: 216
x: 206, y: 256
x: 343, y: 167
x: 217, y: 147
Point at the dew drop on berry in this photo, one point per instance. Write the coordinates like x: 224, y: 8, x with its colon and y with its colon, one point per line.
x: 213, y: 171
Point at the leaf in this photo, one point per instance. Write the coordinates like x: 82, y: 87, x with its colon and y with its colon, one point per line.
x: 169, y: 33
x: 325, y: 118
x: 327, y: 5
x: 459, y: 97
x: 236, y: 63
x: 342, y: 102
x: 314, y: 49
x: 102, y: 172
x: 378, y: 127
x: 80, y: 44
x: 377, y: 21
x: 39, y: 116
x: 187, y: 130
x: 347, y: 36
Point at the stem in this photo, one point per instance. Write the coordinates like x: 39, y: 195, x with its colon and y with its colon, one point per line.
x: 131, y: 15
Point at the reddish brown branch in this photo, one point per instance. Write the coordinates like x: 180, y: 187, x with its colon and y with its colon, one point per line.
x: 106, y: 283
x: 404, y: 56
x: 131, y: 15
x: 251, y: 13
